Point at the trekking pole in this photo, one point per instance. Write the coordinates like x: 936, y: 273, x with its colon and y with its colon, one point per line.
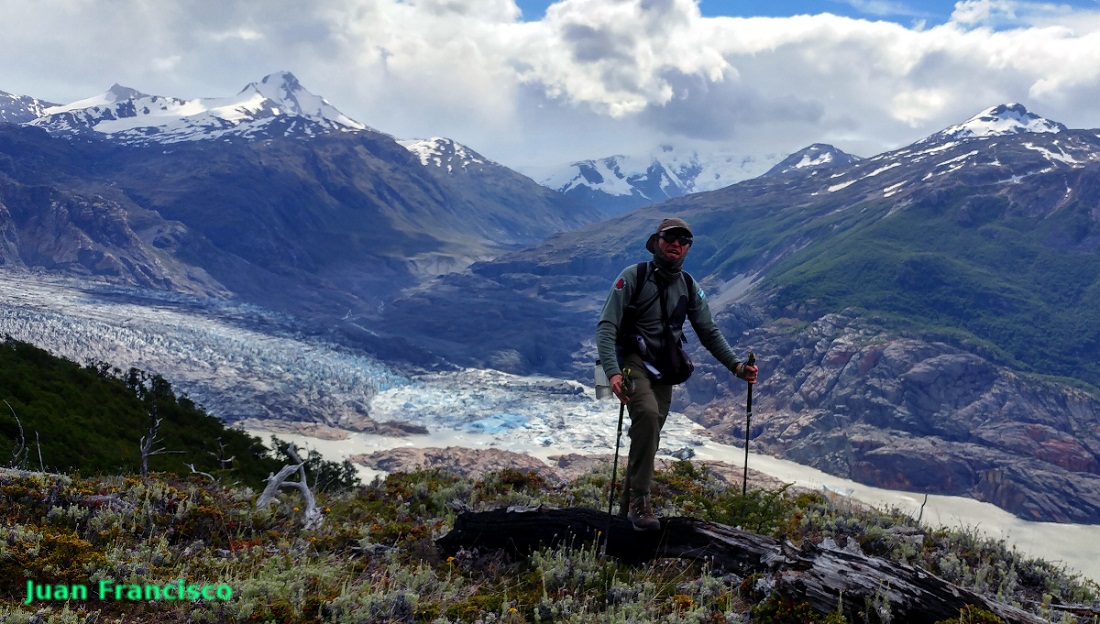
x: 748, y: 420
x: 615, y: 465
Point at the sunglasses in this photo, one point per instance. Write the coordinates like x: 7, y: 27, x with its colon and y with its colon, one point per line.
x: 683, y: 239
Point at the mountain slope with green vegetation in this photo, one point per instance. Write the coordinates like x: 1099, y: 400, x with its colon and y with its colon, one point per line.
x: 970, y: 263
x: 60, y: 416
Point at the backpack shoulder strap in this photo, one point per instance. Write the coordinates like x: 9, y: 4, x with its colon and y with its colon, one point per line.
x: 641, y: 269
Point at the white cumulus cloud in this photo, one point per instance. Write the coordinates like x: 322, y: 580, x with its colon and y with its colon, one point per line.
x: 590, y: 78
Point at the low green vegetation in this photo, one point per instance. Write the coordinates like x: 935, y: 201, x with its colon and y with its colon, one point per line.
x: 374, y: 558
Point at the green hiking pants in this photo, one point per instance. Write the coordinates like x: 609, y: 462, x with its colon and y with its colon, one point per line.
x: 648, y: 406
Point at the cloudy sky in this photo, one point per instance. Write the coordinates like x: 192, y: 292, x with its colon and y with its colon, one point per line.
x: 534, y: 82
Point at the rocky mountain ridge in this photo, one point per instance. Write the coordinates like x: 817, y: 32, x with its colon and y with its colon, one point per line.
x: 21, y: 108
x: 850, y: 398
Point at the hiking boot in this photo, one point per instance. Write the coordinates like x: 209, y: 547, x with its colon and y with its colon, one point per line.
x: 641, y: 514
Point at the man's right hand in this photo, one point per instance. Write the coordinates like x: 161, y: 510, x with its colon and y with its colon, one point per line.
x: 618, y: 388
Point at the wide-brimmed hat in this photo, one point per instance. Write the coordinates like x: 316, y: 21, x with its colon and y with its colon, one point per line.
x: 666, y: 225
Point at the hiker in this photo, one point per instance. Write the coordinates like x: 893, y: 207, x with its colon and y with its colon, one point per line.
x: 640, y: 335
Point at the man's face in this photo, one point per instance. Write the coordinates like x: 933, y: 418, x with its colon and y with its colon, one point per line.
x: 674, y: 244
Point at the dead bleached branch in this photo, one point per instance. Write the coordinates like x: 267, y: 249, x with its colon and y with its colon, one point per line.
x: 312, y: 517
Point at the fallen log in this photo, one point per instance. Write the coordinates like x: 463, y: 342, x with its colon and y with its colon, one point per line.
x: 824, y: 577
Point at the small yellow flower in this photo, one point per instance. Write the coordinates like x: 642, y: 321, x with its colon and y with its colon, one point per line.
x: 295, y: 509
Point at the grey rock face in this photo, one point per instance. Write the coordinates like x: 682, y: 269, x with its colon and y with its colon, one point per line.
x: 922, y: 416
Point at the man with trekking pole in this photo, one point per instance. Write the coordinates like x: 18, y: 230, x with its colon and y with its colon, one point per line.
x: 639, y: 338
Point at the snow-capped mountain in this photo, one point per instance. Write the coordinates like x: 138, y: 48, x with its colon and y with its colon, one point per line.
x: 1008, y: 133
x: 278, y: 105
x: 316, y: 202
x: 20, y: 108
x: 812, y: 159
x: 616, y: 184
x: 1000, y: 120
x: 445, y: 154
x: 619, y: 183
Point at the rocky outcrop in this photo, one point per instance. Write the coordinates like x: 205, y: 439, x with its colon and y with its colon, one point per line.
x: 475, y: 463
x: 456, y: 460
x: 91, y: 235
x: 923, y: 416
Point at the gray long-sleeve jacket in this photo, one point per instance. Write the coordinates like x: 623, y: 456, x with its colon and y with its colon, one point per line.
x: 649, y: 324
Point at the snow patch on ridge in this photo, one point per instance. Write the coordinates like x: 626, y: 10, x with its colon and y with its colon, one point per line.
x: 1050, y: 155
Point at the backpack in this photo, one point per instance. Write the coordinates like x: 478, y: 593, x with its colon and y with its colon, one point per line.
x: 672, y: 362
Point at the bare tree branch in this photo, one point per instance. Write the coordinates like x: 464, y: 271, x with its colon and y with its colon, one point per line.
x: 147, y: 443
x: 205, y: 474
x: 219, y: 456
x: 312, y: 517
x: 38, y: 443
x: 20, y: 450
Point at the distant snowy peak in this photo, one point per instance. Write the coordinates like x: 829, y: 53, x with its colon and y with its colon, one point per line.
x: 812, y: 159
x: 20, y: 108
x: 445, y: 154
x: 622, y: 182
x: 1001, y: 120
x: 278, y: 105
x: 292, y: 98
x: 644, y: 176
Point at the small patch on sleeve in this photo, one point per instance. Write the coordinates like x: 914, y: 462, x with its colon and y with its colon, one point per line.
x: 619, y: 284
x: 702, y: 295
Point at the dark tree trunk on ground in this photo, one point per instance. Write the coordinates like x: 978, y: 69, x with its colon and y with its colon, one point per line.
x: 808, y: 573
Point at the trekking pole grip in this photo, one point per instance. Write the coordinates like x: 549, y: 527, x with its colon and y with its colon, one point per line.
x: 749, y: 361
